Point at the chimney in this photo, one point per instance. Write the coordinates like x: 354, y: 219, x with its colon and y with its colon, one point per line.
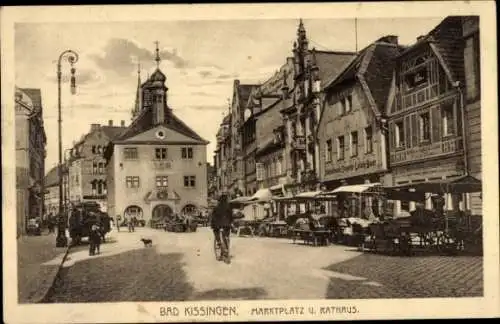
x: 391, y: 39
x: 122, y: 123
x: 94, y: 127
x: 110, y: 122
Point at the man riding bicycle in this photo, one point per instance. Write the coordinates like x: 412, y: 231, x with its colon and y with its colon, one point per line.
x: 221, y: 220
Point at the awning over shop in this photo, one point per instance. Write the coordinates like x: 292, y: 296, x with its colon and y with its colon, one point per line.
x: 240, y: 200
x: 460, y: 184
x: 278, y: 190
x: 353, y: 188
x: 262, y: 195
x: 309, y: 194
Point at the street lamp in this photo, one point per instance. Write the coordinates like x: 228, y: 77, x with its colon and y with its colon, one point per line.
x: 72, y: 57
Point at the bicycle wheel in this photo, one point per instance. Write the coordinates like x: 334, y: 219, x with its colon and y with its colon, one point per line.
x: 217, y: 250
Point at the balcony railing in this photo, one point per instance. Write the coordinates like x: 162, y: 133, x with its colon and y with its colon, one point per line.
x: 450, y: 146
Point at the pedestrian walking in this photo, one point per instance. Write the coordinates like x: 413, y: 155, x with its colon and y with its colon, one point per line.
x: 94, y: 240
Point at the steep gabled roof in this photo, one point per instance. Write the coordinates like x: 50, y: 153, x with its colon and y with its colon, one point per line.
x: 445, y: 41
x: 372, y: 68
x: 144, y: 122
x: 244, y: 91
x: 36, y: 97
x: 52, y: 177
x: 331, y: 64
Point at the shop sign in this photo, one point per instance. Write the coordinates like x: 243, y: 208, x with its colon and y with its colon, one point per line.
x: 353, y: 167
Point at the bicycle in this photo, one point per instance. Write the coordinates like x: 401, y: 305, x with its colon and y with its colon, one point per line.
x: 218, y: 247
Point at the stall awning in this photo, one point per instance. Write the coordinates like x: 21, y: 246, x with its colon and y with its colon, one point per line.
x: 278, y: 190
x: 309, y: 194
x: 240, y: 200
x: 353, y: 188
x: 262, y: 195
x: 459, y: 184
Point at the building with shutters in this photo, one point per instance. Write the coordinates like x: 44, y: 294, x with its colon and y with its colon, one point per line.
x: 351, y: 131
x: 157, y: 166
x: 426, y: 112
x: 313, y: 70
x: 86, y: 165
x: 222, y: 155
x: 30, y: 156
x: 241, y: 93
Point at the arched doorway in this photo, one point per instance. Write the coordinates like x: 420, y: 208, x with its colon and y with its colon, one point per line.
x: 162, y: 212
x: 133, y: 211
x: 190, y: 210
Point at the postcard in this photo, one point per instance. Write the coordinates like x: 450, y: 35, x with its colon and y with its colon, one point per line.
x: 250, y: 162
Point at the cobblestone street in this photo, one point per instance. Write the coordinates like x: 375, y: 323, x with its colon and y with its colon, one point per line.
x: 181, y: 266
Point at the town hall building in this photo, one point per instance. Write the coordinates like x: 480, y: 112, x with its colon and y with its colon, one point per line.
x: 157, y: 167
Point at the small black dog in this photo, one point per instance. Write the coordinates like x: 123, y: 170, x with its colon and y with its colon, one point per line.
x: 147, y: 242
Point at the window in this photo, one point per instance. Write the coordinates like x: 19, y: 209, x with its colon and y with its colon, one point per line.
x: 368, y: 140
x: 161, y: 181
x: 94, y: 168
x: 448, y: 119
x: 354, y: 144
x: 130, y: 153
x: 132, y: 182
x: 101, y: 167
x: 278, y: 166
x: 405, y: 205
x: 104, y: 188
x: 99, y: 149
x: 76, y: 180
x: 340, y: 148
x: 187, y: 152
x: 100, y: 187
x: 189, y: 181
x: 425, y: 132
x: 399, y: 133
x: 94, y: 188
x: 348, y: 103
x: 341, y: 107
x: 416, y: 78
x: 94, y: 150
x: 161, y: 153
x: 329, y: 150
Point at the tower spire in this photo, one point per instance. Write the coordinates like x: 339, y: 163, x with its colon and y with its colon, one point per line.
x: 157, y: 58
x: 138, y: 95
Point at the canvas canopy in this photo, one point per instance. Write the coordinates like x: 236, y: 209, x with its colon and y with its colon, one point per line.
x: 460, y: 184
x: 353, y: 188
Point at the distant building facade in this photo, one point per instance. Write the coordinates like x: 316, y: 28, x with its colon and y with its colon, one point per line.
x: 351, y: 136
x: 312, y: 71
x: 472, y: 99
x: 87, y: 174
x: 157, y: 166
x: 426, y: 115
x: 30, y: 156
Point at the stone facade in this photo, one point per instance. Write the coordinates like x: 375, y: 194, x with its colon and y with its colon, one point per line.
x: 157, y: 167
x: 87, y: 165
x: 30, y: 156
x: 472, y: 64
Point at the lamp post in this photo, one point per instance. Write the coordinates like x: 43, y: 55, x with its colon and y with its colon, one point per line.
x: 72, y: 57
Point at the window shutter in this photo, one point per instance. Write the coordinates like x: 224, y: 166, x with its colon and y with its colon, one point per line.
x: 414, y: 130
x: 408, y: 132
x: 435, y: 116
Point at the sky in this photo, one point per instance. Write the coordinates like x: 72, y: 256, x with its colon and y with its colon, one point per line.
x: 200, y: 58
